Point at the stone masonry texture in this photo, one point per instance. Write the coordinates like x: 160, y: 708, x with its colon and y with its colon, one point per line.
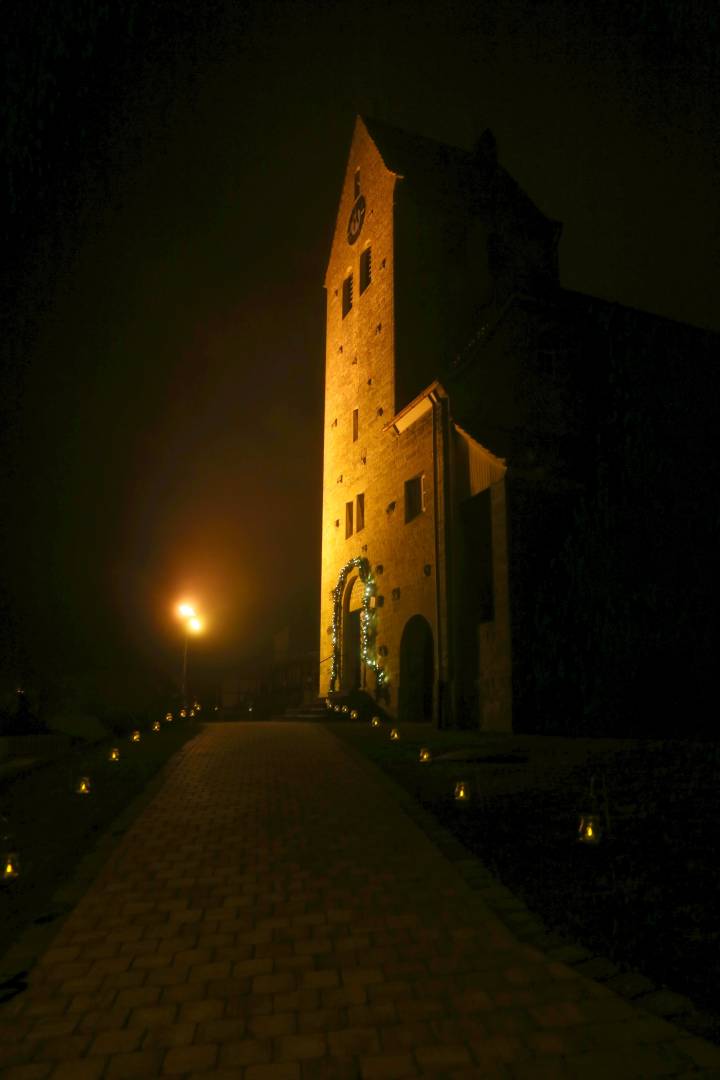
x: 360, y: 374
x: 273, y: 913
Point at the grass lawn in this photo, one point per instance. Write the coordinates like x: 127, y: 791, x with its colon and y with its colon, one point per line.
x: 646, y: 896
x: 54, y: 828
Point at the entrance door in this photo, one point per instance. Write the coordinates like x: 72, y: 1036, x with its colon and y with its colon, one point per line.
x: 350, y: 674
x: 415, y: 701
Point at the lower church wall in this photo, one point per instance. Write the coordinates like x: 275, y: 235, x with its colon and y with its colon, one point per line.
x: 405, y: 551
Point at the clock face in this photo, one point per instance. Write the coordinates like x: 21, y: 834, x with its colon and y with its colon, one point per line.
x: 357, y: 217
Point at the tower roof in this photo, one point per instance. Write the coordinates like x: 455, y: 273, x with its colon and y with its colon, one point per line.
x: 413, y: 155
x: 440, y: 169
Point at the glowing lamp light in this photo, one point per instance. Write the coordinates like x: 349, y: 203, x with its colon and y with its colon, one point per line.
x: 194, y: 625
x: 83, y: 786
x: 168, y: 716
x: 589, y: 829
x: 394, y: 734
x: 425, y: 754
x: 183, y: 713
x: 353, y: 714
x: 375, y: 722
x: 135, y: 737
x: 462, y: 791
x: 156, y: 725
x: 186, y: 611
x: 345, y: 709
x: 10, y: 866
x: 114, y: 754
x: 192, y: 712
x: 328, y: 703
x: 196, y: 706
x: 336, y: 708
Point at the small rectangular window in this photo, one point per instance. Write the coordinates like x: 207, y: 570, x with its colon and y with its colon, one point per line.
x: 357, y: 183
x: 414, y: 497
x: 356, y: 425
x: 360, y: 515
x: 365, y: 269
x: 347, y: 297
x: 348, y: 519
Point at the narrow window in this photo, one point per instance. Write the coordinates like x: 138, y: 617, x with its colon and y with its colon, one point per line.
x: 365, y: 269
x: 356, y: 425
x: 357, y: 183
x: 414, y: 497
x: 348, y: 519
x: 360, y: 515
x: 347, y: 298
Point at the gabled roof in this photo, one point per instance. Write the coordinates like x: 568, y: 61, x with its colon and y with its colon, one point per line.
x: 416, y: 408
x: 407, y: 154
x: 473, y: 176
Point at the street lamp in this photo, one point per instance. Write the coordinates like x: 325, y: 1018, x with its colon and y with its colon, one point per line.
x: 193, y: 625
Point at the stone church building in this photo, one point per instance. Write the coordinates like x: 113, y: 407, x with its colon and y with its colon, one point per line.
x: 482, y: 434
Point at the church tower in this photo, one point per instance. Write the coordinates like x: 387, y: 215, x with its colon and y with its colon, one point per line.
x: 429, y: 238
x: 359, y: 399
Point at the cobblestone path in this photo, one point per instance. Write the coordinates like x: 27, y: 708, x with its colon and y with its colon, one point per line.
x: 274, y: 915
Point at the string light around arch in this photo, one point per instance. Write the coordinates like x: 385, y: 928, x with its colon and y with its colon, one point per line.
x: 367, y: 617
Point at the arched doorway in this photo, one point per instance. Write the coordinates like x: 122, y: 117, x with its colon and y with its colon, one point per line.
x: 350, y: 669
x: 415, y: 700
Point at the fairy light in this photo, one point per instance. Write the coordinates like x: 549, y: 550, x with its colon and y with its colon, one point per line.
x: 367, y: 621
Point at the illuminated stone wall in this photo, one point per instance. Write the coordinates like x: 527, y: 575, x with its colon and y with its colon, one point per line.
x: 426, y: 264
x: 360, y: 374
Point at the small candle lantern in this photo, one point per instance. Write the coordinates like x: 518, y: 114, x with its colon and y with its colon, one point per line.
x: 353, y: 714
x: 183, y: 713
x: 590, y: 829
x: 462, y: 791
x: 10, y: 866
x: 135, y: 737
x: 328, y: 702
x: 114, y: 754
x: 156, y: 725
x: 197, y: 706
x: 83, y: 786
x: 345, y: 709
x: 336, y: 708
x: 425, y: 755
x: 168, y: 716
x: 375, y: 722
x: 394, y: 734
x: 192, y: 712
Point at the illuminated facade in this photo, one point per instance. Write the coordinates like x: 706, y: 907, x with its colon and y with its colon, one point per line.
x: 396, y: 466
x: 480, y: 487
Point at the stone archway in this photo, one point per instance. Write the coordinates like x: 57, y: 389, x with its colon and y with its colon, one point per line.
x: 344, y: 601
x: 417, y: 671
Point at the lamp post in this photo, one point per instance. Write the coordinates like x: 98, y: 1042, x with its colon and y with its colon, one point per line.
x: 193, y: 625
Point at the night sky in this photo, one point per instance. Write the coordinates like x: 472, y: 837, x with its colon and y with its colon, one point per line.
x: 171, y: 183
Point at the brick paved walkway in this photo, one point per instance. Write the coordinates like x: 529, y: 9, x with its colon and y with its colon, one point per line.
x: 274, y: 915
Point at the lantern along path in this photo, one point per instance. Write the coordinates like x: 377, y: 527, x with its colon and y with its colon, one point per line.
x: 273, y: 914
